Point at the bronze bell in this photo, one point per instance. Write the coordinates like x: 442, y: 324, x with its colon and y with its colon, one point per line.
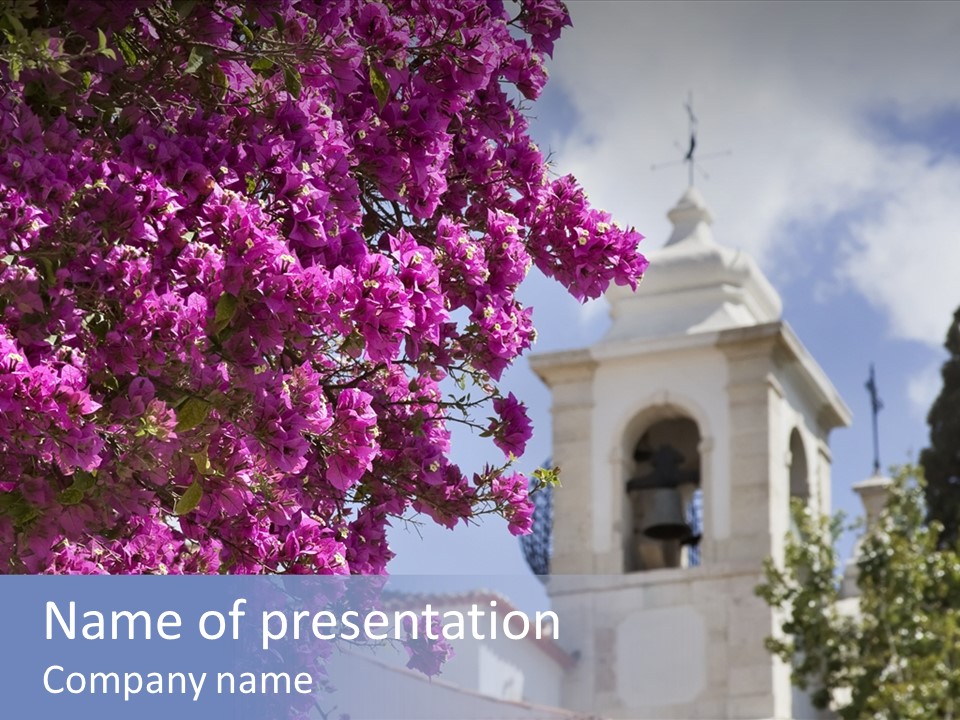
x: 661, y: 501
x: 663, y: 517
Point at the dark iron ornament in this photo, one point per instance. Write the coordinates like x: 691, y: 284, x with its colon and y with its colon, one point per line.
x: 876, y: 405
x: 537, y: 547
x: 690, y: 158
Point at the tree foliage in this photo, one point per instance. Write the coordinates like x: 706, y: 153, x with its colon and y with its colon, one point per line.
x: 899, y: 655
x: 255, y: 258
x: 941, y: 461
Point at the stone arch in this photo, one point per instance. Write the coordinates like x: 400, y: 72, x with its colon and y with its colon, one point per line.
x: 670, y: 419
x: 800, y: 487
x: 659, y: 406
x: 799, y: 469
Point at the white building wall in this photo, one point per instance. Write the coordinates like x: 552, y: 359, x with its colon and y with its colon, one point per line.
x: 501, y: 668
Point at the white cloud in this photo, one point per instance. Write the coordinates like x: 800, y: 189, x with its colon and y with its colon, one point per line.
x: 905, y: 258
x: 791, y: 88
x: 593, y: 311
x: 922, y: 390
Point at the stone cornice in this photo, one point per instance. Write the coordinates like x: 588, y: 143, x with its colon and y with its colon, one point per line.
x: 779, y: 339
x: 564, y: 366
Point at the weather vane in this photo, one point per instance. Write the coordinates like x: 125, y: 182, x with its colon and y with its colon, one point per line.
x: 688, y: 159
x: 876, y: 405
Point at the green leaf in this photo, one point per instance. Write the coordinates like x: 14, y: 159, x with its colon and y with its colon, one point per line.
x: 129, y: 56
x: 183, y: 8
x: 547, y: 477
x: 193, y: 412
x: 380, y: 85
x: 49, y: 270
x: 189, y: 500
x: 102, y: 46
x: 70, y: 496
x: 16, y: 25
x: 16, y: 65
x: 247, y: 32
x: 293, y: 81
x: 84, y: 480
x: 97, y: 323
x: 261, y: 64
x: 13, y: 505
x: 73, y: 495
x: 194, y: 61
x: 225, y: 312
x: 219, y: 80
x: 202, y: 460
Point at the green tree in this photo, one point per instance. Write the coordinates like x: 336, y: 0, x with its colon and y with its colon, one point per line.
x: 899, y: 656
x: 941, y: 461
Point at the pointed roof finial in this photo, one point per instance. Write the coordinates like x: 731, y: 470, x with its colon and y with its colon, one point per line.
x: 691, y: 218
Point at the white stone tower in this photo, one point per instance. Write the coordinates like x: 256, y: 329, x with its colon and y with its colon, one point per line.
x: 698, y: 366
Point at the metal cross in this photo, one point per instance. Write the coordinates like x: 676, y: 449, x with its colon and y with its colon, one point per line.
x: 689, y: 159
x: 876, y: 405
x: 666, y: 463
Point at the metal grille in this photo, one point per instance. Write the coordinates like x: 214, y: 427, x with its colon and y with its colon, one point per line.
x: 695, y: 521
x: 538, y: 545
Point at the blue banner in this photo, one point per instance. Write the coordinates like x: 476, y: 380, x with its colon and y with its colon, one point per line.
x: 175, y: 648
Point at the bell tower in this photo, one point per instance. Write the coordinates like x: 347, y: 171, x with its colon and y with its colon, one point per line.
x: 681, y: 436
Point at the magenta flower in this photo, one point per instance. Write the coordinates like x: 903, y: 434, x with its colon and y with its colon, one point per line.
x: 424, y: 654
x: 235, y: 287
x: 513, y: 428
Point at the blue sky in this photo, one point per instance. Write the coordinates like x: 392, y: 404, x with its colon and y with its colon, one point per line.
x: 843, y: 122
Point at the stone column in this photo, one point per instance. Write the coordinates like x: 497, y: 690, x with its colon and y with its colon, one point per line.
x: 873, y: 493
x: 570, y: 378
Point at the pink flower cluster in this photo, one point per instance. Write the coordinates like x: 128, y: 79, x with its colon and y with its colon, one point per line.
x: 244, y: 248
x: 424, y: 653
x: 511, y: 491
